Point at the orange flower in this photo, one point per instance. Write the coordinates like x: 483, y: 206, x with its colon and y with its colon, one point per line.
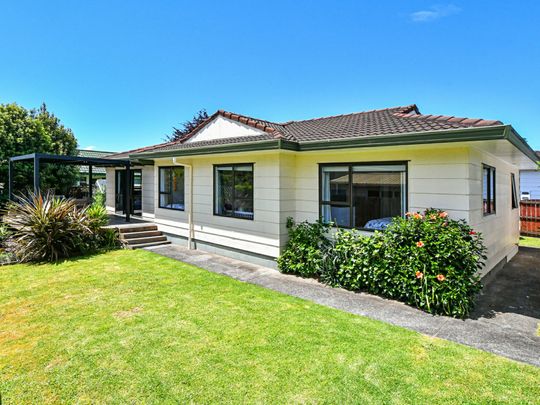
x: 419, y: 274
x: 420, y: 244
x: 408, y: 214
x: 440, y: 277
x: 443, y: 214
x: 433, y: 217
x: 417, y: 216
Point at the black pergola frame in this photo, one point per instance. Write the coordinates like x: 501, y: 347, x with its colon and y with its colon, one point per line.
x: 38, y: 158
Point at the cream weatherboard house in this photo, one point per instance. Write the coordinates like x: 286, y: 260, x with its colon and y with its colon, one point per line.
x: 230, y: 185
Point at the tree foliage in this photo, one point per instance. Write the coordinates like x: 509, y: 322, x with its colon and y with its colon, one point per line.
x: 25, y: 131
x: 188, y: 126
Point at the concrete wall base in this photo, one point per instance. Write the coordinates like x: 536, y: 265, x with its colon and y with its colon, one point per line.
x: 490, y: 275
x: 237, y: 254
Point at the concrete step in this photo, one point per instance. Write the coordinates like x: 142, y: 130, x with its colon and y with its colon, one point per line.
x: 144, y: 245
x: 137, y: 228
x: 148, y: 239
x: 139, y: 234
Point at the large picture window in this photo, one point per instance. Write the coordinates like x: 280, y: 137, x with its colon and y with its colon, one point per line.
x: 488, y: 190
x: 171, y: 188
x: 362, y: 195
x: 233, y: 190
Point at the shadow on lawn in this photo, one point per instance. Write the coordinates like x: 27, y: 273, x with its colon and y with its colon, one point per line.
x: 61, y: 261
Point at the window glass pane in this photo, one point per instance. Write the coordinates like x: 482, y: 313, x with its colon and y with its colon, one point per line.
x: 377, y: 197
x: 335, y: 184
x: 164, y: 180
x: 485, y: 185
x: 165, y: 201
x: 243, y: 208
x: 243, y: 184
x: 339, y: 215
x: 514, y: 191
x: 224, y: 191
x: 379, y: 168
x: 492, y: 191
x: 177, y: 187
x: 246, y: 168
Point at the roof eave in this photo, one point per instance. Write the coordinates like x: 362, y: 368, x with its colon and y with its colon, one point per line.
x: 226, y: 148
x: 519, y: 142
x: 496, y: 132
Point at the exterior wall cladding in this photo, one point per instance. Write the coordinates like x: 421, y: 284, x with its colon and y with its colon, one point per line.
x: 286, y: 184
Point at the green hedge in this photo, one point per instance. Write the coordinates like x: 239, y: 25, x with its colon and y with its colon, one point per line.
x: 426, y: 260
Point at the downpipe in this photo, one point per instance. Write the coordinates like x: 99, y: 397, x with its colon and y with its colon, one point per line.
x: 190, y: 206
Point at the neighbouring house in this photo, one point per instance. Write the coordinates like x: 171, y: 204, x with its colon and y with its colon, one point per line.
x: 98, y: 173
x: 529, y: 181
x: 230, y: 185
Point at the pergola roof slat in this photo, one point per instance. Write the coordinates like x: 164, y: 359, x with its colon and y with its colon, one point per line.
x: 74, y: 160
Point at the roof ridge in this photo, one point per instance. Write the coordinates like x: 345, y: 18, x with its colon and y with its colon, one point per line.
x: 142, y: 149
x: 475, y: 122
x: 399, y: 108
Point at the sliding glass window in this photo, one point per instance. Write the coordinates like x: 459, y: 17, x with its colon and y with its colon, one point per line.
x: 364, y: 196
x: 233, y: 191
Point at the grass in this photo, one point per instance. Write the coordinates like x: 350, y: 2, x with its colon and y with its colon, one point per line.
x: 529, y: 241
x: 135, y: 327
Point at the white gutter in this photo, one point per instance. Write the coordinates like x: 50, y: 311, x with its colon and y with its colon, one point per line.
x: 190, y: 204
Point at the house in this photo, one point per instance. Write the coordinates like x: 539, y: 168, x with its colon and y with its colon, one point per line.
x: 230, y: 185
x: 529, y: 183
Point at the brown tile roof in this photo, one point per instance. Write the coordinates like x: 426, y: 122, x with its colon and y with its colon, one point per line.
x: 389, y: 121
x: 125, y: 154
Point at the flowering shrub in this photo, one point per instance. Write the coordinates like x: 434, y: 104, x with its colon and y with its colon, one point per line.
x: 426, y: 260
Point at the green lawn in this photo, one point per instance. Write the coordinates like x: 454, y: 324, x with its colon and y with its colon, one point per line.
x: 135, y: 327
x: 528, y: 241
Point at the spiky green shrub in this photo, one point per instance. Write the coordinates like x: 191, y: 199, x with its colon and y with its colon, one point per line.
x: 4, y: 234
x: 47, y: 228
x: 105, y: 238
x: 99, y: 198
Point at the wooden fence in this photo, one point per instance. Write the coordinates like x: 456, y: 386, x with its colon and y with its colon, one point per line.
x: 529, y: 216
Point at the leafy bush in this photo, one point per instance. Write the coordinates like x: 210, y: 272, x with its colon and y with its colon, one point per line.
x: 303, y: 254
x: 426, y: 260
x: 99, y: 199
x: 48, y: 228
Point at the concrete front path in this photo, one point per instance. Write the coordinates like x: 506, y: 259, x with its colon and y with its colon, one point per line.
x: 504, y: 322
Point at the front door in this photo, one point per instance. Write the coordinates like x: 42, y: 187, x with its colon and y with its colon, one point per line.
x: 136, y: 192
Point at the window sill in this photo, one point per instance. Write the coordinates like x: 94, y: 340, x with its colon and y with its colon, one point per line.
x: 234, y: 216
x: 172, y: 209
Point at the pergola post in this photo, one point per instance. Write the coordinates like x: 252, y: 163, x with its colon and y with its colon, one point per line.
x: 10, y: 179
x: 127, y: 192
x: 36, y: 175
x: 90, y: 185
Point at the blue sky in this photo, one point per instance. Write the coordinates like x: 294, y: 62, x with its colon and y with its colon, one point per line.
x: 122, y: 74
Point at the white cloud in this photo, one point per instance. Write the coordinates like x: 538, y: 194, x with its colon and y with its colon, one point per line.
x: 434, y: 13
x: 90, y: 147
